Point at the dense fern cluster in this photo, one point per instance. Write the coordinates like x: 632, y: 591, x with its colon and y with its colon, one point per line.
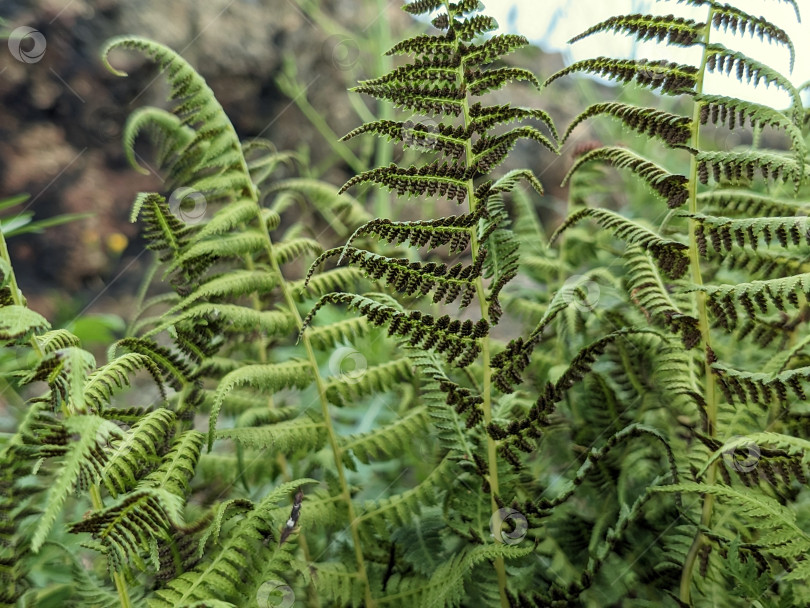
x: 576, y: 417
x: 738, y: 301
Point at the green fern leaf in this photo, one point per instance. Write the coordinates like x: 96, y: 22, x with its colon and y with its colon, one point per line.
x: 456, y: 341
x: 670, y: 128
x: 670, y: 255
x: 285, y: 437
x: 19, y: 323
x: 291, y: 374
x: 133, y: 526
x: 81, y: 455
x: 389, y: 440
x: 670, y: 187
x: 137, y: 450
x: 670, y: 78
x: 673, y: 30
x: 349, y: 387
x: 178, y: 466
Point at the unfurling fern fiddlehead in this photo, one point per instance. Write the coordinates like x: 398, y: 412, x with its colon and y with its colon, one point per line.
x: 743, y: 242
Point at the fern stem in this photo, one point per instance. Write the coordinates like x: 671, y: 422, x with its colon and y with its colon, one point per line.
x: 486, y: 389
x: 120, y: 583
x: 703, y: 322
x: 16, y: 294
x: 327, y: 418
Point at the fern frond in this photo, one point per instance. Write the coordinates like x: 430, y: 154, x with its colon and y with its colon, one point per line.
x: 484, y: 118
x: 721, y: 59
x: 82, y: 458
x: 286, y: 437
x: 670, y: 78
x: 441, y: 100
x: 167, y: 132
x: 446, y: 586
x: 178, y: 466
x: 422, y: 6
x: 723, y: 300
x: 346, y: 330
x: 486, y: 81
x: 56, y: 339
x: 668, y: 186
x: 747, y: 203
x: 719, y: 109
x: 448, y: 180
x: 724, y: 232
x: 274, y: 377
x: 673, y: 30
x: 452, y: 230
x: 341, y: 211
x: 102, y: 383
x: 176, y: 371
x: 202, y: 254
x: 235, y: 283
x: 490, y: 152
x: 337, y: 279
x: 455, y: 340
x: 738, y: 167
x: 134, y: 526
x: 137, y: 450
x: 671, y: 256
x: 19, y: 323
x: 445, y: 139
x: 387, y: 440
x: 214, y: 156
x: 670, y: 128
x: 232, y: 570
x: 166, y: 234
x: 400, y: 508
x: 375, y: 379
x: 650, y: 295
x: 769, y: 514
x: 761, y: 388
x: 235, y: 318
x: 411, y: 278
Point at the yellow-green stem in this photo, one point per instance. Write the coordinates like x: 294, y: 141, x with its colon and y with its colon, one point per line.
x: 703, y: 322
x: 486, y: 389
x: 327, y: 418
x: 118, y: 578
x: 16, y: 294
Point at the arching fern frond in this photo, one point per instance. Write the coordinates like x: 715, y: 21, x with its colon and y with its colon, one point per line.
x: 673, y: 30
x: 668, y: 186
x: 137, y: 450
x: 670, y: 78
x: 457, y: 341
x: 670, y: 255
x: 669, y: 128
x: 274, y: 377
x: 82, y: 461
